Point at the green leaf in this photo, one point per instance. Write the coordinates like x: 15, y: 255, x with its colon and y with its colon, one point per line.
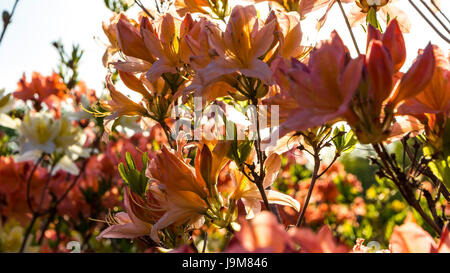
x: 123, y: 172
x: 372, y: 18
x: 344, y: 141
x: 135, y: 179
x: 130, y: 161
x: 446, y: 140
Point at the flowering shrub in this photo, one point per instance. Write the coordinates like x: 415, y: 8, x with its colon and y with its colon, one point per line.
x: 224, y: 129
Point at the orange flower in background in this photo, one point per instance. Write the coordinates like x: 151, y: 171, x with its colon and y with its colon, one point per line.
x: 13, y: 188
x: 265, y: 234
x: 261, y: 234
x: 411, y: 238
x: 321, y: 242
x: 322, y: 89
x: 49, y: 90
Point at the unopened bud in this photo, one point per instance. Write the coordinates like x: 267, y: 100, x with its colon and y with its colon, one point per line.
x: 6, y: 18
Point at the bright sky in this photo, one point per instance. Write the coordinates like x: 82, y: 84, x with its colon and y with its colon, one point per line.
x: 26, y: 46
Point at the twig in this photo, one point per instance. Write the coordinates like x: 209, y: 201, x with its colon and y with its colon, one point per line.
x: 37, y: 214
x: 405, y: 188
x: 434, y: 15
x: 259, y: 178
x: 7, y: 22
x: 36, y: 165
x: 429, y: 22
x: 311, y: 186
x: 349, y: 27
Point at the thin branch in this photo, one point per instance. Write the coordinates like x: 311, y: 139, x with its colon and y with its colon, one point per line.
x: 349, y: 27
x: 144, y: 9
x: 30, y: 177
x: 429, y: 22
x: 7, y: 22
x: 439, y: 10
x: 311, y: 187
x: 434, y: 15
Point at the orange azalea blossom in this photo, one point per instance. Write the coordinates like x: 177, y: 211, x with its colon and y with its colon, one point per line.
x: 165, y: 38
x: 130, y: 38
x: 265, y: 234
x: 330, y: 74
x: 435, y: 98
x: 358, y: 13
x: 49, y: 90
x: 120, y: 105
x: 261, y: 234
x: 191, y: 6
x: 110, y: 31
x: 321, y: 242
x: 288, y: 33
x: 240, y: 47
x: 379, y: 92
x: 248, y: 192
x: 126, y: 35
x: 186, y: 193
x: 303, y: 7
x: 411, y: 238
x: 211, y: 160
x: 13, y: 184
x: 126, y: 224
x: 432, y: 105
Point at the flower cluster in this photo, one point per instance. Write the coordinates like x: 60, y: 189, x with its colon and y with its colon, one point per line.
x: 225, y: 128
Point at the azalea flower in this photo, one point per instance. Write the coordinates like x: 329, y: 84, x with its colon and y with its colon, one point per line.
x: 191, y: 6
x: 126, y: 224
x: 6, y: 102
x: 385, y: 9
x: 435, y: 98
x: 186, y: 193
x: 248, y: 192
x: 262, y: 234
x: 239, y: 48
x: 411, y: 238
x: 110, y: 31
x: 40, y: 133
x: 382, y: 88
x: 289, y: 34
x: 49, y: 90
x: 330, y: 74
x: 321, y: 242
x: 165, y: 38
x: 119, y: 105
x: 130, y: 38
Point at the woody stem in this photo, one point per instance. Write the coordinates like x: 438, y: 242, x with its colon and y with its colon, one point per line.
x: 314, y: 178
x: 37, y: 214
x: 167, y: 132
x: 405, y: 187
x: 259, y: 179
